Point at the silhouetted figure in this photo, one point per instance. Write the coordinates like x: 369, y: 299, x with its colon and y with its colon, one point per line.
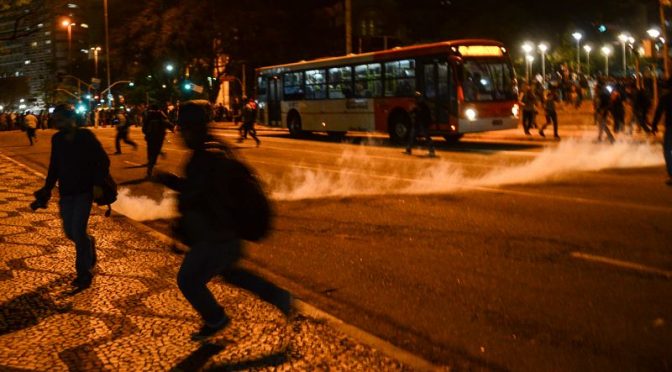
x: 551, y: 115
x: 79, y: 164
x: 603, y: 97
x: 421, y: 117
x: 123, y: 127
x: 154, y: 128
x: 30, y: 122
x: 665, y: 107
x: 249, y: 116
x: 207, y: 223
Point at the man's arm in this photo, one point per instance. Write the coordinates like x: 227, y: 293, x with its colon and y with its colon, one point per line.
x: 52, y: 173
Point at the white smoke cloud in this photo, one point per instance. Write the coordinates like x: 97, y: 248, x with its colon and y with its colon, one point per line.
x: 357, y: 173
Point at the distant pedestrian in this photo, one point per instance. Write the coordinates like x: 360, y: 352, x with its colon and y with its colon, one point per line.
x: 123, y: 127
x: 602, y: 107
x: 551, y: 115
x: 154, y: 126
x: 207, y: 223
x: 421, y: 119
x: 529, y: 102
x: 641, y: 105
x: 665, y: 107
x: 617, y: 107
x: 249, y: 116
x: 79, y: 164
x: 30, y: 122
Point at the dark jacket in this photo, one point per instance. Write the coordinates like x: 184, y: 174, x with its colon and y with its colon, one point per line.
x: 78, y: 162
x: 202, y: 202
x: 155, y: 123
x: 664, y: 107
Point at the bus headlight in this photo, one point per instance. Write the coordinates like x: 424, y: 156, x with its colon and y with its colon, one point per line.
x: 470, y: 114
x: 515, y: 110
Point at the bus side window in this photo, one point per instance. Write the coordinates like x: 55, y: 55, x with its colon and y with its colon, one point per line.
x: 400, y: 78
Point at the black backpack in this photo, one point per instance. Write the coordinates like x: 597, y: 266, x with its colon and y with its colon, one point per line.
x: 246, y: 200
x: 109, y: 195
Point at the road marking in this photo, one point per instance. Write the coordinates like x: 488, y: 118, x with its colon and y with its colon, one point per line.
x: 574, y: 199
x: 31, y: 170
x: 622, y: 264
x: 133, y: 163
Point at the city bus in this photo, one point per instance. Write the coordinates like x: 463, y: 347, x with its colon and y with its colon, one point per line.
x: 469, y: 85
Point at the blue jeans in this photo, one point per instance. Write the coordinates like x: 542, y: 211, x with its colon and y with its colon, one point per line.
x: 204, y: 261
x: 75, y: 211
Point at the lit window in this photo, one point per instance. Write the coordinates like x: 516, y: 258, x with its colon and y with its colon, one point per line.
x: 40, y: 25
x: 48, y: 42
x: 27, y: 62
x: 33, y: 44
x: 72, y: 6
x: 85, y: 25
x: 47, y: 33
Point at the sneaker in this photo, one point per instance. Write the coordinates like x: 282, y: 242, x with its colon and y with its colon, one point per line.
x: 81, y: 283
x: 541, y: 133
x: 208, y: 331
x: 557, y: 138
x: 258, y: 143
x: 407, y: 152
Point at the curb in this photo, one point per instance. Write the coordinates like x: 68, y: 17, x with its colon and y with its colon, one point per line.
x: 411, y: 360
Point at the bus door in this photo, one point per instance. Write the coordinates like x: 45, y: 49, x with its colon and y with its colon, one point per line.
x: 436, y: 83
x: 274, y: 111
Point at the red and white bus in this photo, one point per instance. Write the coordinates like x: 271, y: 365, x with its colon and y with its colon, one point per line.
x: 469, y: 85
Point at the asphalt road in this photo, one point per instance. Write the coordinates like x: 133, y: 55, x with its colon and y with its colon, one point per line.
x: 504, y: 253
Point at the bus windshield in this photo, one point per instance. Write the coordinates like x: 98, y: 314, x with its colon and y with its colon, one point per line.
x: 487, y: 80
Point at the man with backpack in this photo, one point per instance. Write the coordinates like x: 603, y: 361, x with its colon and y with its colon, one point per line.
x: 220, y: 202
x: 80, y: 165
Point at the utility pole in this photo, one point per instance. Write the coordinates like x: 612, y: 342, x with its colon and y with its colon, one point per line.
x: 107, y: 47
x: 348, y: 26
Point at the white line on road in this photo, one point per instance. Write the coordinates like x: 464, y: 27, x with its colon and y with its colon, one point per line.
x: 133, y: 163
x: 622, y: 264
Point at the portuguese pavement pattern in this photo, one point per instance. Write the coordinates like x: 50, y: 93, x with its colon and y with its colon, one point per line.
x: 134, y: 318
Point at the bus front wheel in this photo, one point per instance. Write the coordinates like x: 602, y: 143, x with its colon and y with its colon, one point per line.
x: 400, y: 127
x: 294, y: 126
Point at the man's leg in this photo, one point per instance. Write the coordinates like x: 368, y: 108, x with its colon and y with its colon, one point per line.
x: 75, y: 211
x: 200, y: 265
x: 117, y: 142
x: 667, y: 150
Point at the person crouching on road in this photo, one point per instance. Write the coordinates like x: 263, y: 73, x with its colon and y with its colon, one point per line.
x: 79, y: 163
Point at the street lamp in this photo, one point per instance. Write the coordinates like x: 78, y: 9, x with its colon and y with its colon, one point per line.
x: 653, y: 33
x: 169, y: 67
x: 624, y: 39
x: 606, y: 50
x: 588, y: 49
x: 530, y: 59
x: 578, y: 36
x: 67, y: 23
x: 527, y: 48
x: 95, y: 51
x: 543, y: 47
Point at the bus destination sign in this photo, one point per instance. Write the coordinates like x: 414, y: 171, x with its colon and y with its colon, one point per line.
x: 480, y: 51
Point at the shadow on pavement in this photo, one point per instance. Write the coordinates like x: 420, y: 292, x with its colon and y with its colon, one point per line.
x: 197, y: 360
x: 30, y: 308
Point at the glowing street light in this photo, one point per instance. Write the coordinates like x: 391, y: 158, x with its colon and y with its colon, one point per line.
x: 578, y: 36
x: 606, y: 51
x: 527, y: 48
x: 170, y: 67
x: 588, y: 49
x: 543, y: 47
x: 654, y: 33
x: 529, y: 58
x: 624, y: 39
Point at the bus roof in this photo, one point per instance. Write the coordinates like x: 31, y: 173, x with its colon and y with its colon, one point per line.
x: 398, y: 52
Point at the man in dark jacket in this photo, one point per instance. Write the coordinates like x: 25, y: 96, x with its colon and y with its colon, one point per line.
x: 206, y: 224
x: 154, y: 128
x: 79, y: 163
x: 665, y: 107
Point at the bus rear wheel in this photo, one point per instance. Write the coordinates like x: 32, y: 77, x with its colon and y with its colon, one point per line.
x: 400, y: 128
x: 294, y: 126
x: 453, y: 138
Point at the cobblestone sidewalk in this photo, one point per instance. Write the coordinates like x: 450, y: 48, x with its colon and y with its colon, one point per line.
x: 133, y: 317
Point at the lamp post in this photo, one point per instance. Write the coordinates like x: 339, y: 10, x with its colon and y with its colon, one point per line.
x: 67, y: 23
x: 578, y: 36
x: 543, y: 47
x: 527, y: 48
x: 95, y: 51
x: 606, y: 50
x: 107, y: 48
x: 588, y: 49
x: 530, y: 59
x: 623, y: 38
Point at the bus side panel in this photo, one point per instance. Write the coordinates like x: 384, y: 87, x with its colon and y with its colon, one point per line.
x: 339, y: 115
x: 383, y: 107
